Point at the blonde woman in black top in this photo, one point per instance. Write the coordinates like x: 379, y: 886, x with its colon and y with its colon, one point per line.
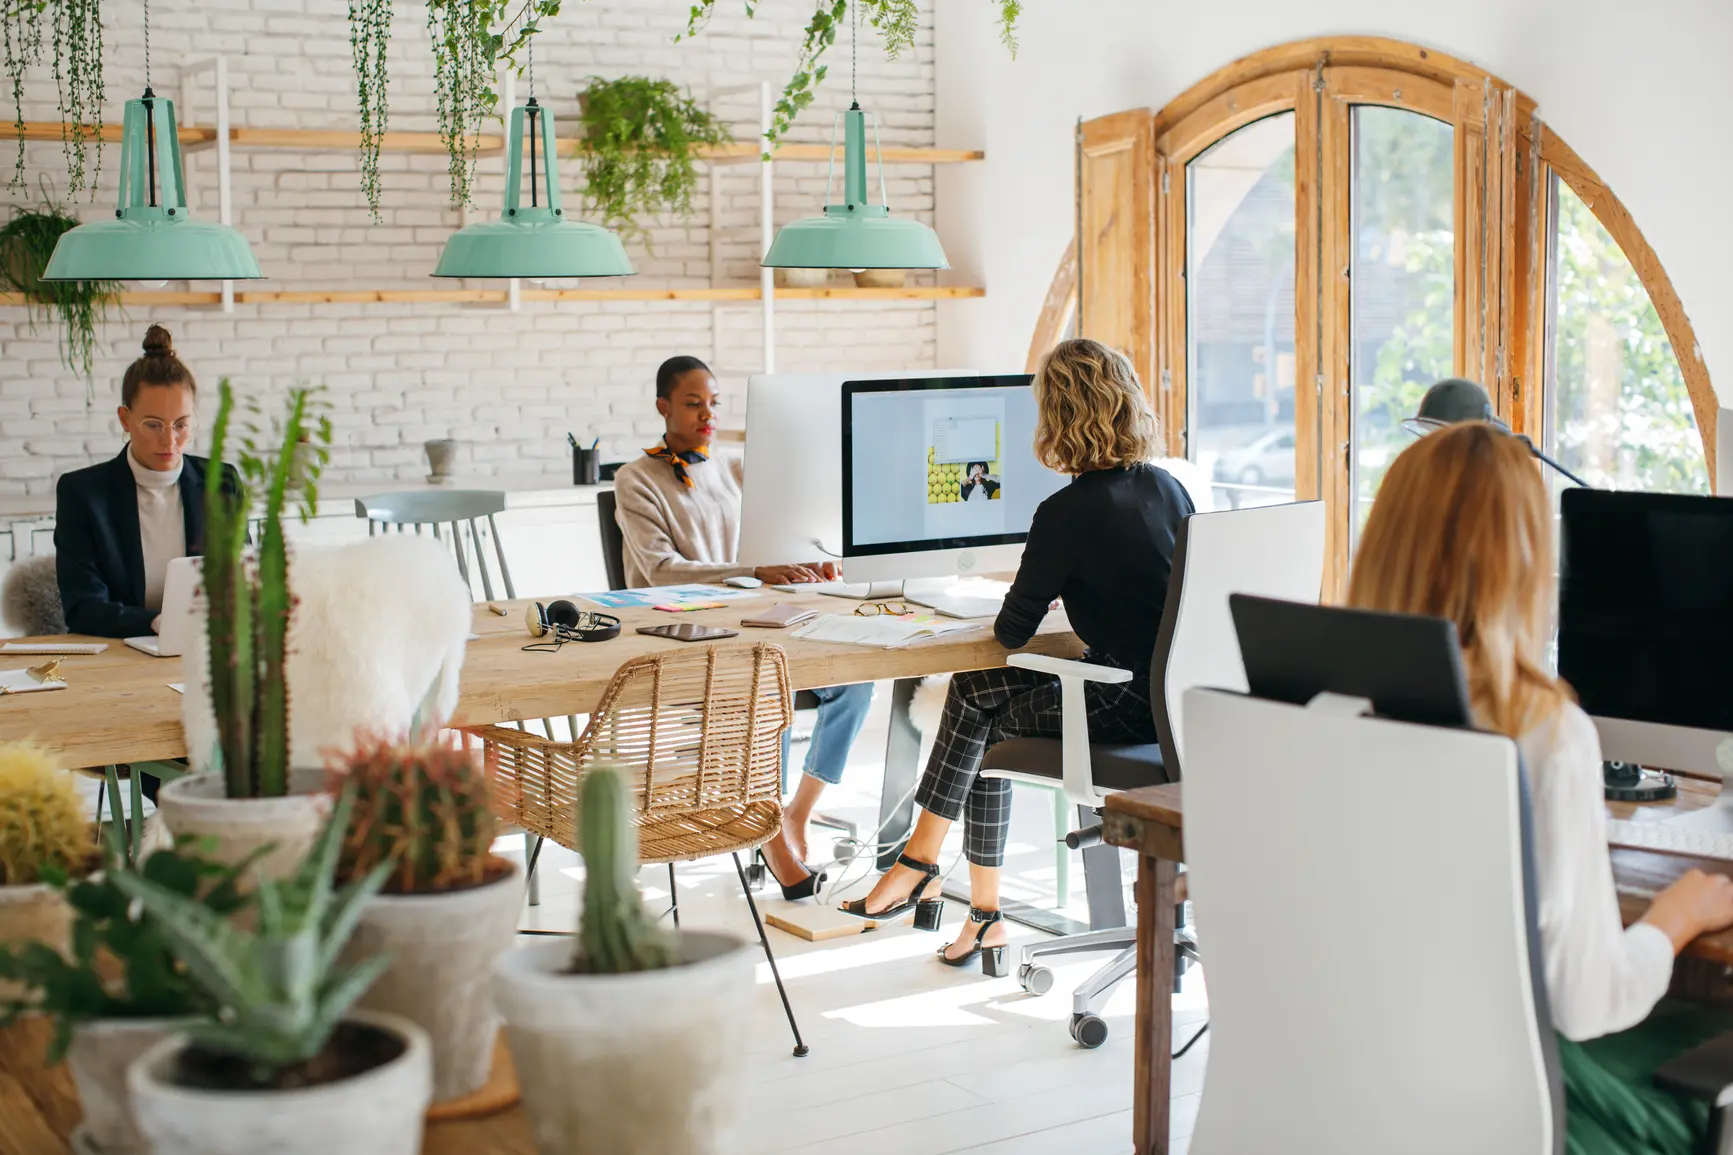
x: 1104, y: 544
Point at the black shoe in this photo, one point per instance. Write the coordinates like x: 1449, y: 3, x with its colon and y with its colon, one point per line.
x: 928, y: 911
x: 805, y: 888
x: 995, y: 960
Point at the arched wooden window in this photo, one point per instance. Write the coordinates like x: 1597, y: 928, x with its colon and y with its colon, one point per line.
x: 1291, y: 251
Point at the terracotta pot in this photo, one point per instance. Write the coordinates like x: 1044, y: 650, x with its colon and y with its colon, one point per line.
x: 442, y: 949
x: 881, y: 278
x: 33, y: 913
x: 196, y: 805
x: 378, y: 1112
x: 100, y: 1054
x: 636, y: 1064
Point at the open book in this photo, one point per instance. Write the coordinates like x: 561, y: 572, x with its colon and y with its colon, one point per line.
x: 883, y: 632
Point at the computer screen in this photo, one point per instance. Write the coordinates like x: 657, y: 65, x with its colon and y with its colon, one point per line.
x: 1646, y: 606
x: 939, y: 463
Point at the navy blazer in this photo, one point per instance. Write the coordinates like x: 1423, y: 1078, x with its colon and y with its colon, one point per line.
x: 99, y: 555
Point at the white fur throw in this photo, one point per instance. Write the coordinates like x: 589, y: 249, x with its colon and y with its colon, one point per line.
x: 375, y: 623
x: 31, y: 598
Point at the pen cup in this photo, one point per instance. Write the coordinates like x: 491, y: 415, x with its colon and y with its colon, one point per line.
x: 586, y: 466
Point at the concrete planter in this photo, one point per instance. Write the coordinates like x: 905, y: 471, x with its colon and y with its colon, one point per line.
x: 442, y: 949
x: 196, y: 805
x: 638, y: 1064
x: 378, y: 1112
x: 441, y: 456
x: 100, y: 1054
x: 33, y: 913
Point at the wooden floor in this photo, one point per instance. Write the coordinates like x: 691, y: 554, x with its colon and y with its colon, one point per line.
x: 910, y: 1057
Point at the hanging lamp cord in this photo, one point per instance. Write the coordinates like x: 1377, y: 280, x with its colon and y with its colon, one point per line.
x: 147, y: 45
x: 854, y: 56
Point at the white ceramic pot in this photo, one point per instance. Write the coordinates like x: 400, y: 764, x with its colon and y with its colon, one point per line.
x: 33, y: 913
x: 378, y: 1112
x: 442, y: 949
x: 197, y: 805
x: 802, y: 278
x: 638, y: 1064
x: 99, y: 1056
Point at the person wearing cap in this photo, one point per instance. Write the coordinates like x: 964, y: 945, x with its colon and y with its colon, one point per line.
x: 1457, y: 399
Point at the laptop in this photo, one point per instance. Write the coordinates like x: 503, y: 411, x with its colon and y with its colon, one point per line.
x: 178, y: 584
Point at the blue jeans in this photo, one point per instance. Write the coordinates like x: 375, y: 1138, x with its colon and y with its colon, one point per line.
x: 841, y: 710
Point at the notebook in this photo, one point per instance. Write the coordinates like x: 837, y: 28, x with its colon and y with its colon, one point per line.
x: 53, y: 648
x: 882, y: 632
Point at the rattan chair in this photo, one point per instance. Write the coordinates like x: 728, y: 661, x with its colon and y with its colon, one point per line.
x: 699, y: 732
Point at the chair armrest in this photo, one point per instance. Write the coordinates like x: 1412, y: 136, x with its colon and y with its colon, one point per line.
x: 1704, y: 1072
x: 1067, y: 668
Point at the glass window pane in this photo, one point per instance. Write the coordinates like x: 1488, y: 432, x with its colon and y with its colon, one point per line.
x: 1619, y: 414
x: 1404, y: 281
x: 1240, y: 312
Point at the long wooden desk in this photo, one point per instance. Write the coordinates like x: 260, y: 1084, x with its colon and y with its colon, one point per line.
x: 1151, y: 822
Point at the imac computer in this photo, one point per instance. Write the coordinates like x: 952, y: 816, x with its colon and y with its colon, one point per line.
x: 939, y: 478
x: 1646, y: 629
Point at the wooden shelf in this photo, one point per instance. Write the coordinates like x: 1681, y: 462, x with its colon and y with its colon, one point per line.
x: 110, y: 133
x: 501, y: 296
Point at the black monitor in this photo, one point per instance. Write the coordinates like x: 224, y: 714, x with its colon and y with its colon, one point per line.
x: 1409, y: 667
x: 1645, y: 625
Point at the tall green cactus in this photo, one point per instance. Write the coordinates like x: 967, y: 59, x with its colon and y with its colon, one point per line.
x: 616, y: 935
x: 249, y: 607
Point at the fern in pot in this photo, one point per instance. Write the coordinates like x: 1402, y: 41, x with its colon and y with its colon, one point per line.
x: 247, y: 795
x: 625, y: 1045
x: 449, y: 907
x: 287, y: 1065
x: 641, y: 143
x: 27, y: 240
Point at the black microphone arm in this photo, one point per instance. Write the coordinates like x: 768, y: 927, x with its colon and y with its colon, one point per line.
x: 1535, y: 449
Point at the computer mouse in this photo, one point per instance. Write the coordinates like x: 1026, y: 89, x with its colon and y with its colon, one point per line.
x: 742, y: 582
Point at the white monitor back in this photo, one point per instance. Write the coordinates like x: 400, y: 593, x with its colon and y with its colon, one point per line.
x: 1272, y: 551
x: 791, y: 497
x: 1372, y: 959
x: 1724, y: 454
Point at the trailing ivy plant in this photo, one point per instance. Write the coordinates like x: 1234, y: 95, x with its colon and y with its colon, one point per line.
x: 78, y: 77
x: 641, y: 140
x: 894, y: 20
x: 369, y: 33
x: 26, y: 243
x: 21, y: 42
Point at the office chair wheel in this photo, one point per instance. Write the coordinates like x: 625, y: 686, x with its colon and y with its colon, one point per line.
x: 1037, y: 980
x: 1089, y: 1030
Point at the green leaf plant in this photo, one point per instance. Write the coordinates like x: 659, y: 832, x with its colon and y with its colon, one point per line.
x: 27, y: 241
x: 641, y: 140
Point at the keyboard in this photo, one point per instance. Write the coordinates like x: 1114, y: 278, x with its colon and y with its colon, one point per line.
x: 1671, y: 838
x: 834, y: 589
x: 53, y: 647
x: 961, y: 605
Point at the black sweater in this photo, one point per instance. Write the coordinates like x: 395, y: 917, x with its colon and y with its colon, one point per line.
x: 1104, y: 543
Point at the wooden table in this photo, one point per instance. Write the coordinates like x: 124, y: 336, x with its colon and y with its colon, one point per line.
x: 1151, y: 822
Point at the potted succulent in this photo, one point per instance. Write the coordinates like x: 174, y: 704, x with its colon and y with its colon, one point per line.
x: 247, y: 795
x: 43, y: 835
x: 449, y: 907
x: 286, y: 1065
x: 637, y: 1015
x: 120, y: 990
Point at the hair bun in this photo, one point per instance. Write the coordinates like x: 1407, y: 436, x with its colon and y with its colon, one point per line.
x: 158, y: 343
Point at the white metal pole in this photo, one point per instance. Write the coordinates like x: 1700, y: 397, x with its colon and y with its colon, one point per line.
x: 225, y: 195
x: 766, y: 228
x: 508, y: 89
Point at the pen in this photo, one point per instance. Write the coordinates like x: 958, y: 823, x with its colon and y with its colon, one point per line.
x: 572, y: 441
x: 597, y: 441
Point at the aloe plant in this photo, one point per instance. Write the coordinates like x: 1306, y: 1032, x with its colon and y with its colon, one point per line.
x: 616, y: 935
x: 250, y: 605
x: 279, y: 990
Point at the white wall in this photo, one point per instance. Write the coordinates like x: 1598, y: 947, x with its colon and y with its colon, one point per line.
x: 1641, y: 91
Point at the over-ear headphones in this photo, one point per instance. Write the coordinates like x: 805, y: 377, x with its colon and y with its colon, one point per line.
x: 567, y: 623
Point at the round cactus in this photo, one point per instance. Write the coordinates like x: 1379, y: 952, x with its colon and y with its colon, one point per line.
x: 42, y: 821
x: 422, y: 807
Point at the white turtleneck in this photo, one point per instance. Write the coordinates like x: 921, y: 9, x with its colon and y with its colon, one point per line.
x: 162, y: 530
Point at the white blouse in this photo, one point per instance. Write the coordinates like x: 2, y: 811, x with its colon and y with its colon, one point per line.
x: 162, y: 529
x: 1600, y: 976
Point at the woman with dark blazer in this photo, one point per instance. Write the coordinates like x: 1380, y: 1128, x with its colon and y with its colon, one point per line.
x: 1103, y: 543
x: 118, y: 524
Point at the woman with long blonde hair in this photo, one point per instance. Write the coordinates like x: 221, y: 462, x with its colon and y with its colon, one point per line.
x: 1462, y: 530
x: 1104, y: 544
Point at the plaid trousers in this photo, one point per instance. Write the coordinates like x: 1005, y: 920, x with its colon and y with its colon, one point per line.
x: 988, y: 706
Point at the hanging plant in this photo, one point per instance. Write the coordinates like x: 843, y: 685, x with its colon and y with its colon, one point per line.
x: 369, y: 33
x: 21, y: 41
x: 641, y: 141
x: 26, y: 243
x: 895, y: 21
x: 470, y: 38
x: 78, y: 78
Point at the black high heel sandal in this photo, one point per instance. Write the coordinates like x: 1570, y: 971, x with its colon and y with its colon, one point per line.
x: 995, y: 960
x: 928, y: 911
x: 805, y: 888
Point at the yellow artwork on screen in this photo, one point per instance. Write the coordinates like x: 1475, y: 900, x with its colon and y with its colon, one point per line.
x: 945, y: 479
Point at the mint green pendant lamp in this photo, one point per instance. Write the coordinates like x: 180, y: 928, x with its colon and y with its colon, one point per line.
x: 535, y: 240
x: 152, y: 236
x: 855, y: 234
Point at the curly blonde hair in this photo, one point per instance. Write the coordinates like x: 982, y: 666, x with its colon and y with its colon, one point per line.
x: 1093, y: 413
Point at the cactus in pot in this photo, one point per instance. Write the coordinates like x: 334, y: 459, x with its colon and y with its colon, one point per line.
x: 43, y: 835
x: 449, y: 907
x: 616, y: 935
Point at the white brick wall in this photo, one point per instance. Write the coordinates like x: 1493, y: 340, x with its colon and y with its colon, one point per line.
x: 507, y: 385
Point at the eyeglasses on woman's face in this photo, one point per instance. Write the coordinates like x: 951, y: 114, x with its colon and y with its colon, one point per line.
x: 181, y: 430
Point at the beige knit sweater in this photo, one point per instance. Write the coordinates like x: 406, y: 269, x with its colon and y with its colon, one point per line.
x: 675, y: 534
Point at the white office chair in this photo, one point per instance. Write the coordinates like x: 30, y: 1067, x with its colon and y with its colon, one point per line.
x: 1373, y: 988
x: 1274, y: 551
